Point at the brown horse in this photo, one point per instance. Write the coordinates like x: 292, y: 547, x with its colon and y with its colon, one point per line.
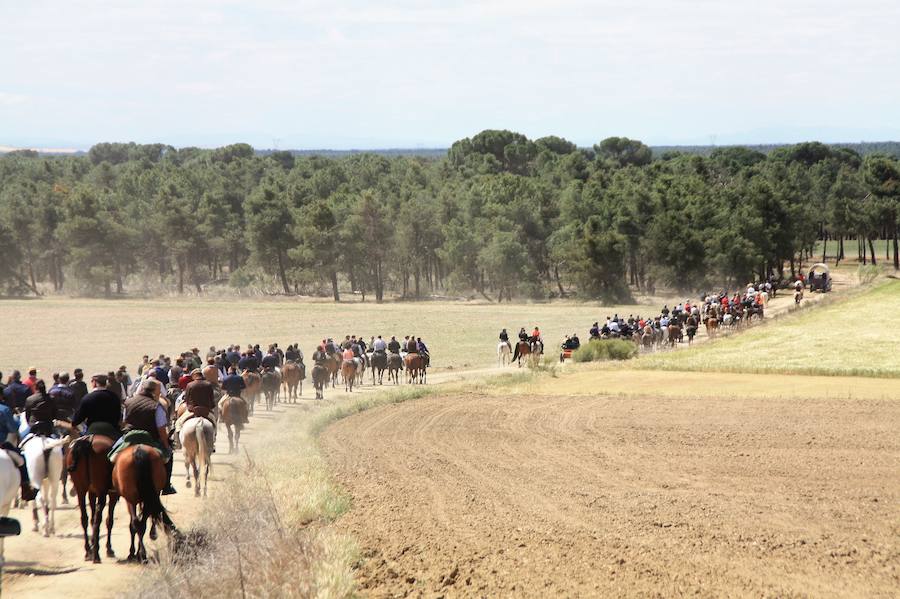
x: 91, y: 475
x: 379, y: 365
x: 415, y: 368
x: 712, y: 326
x: 253, y: 384
x: 139, y: 474
x: 320, y: 376
x: 292, y: 377
x: 333, y: 364
x: 271, y: 384
x: 523, y: 348
x: 675, y: 335
x: 348, y: 372
x: 233, y: 413
x: 395, y: 365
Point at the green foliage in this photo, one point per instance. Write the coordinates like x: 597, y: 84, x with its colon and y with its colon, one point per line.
x: 501, y: 216
x: 601, y: 350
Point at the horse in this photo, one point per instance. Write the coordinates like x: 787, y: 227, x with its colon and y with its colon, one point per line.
x: 292, y: 377
x: 348, y: 372
x: 379, y: 365
x: 333, y: 364
x: 10, y: 481
x: 691, y: 332
x: 138, y: 475
x: 537, y: 352
x: 415, y: 368
x: 233, y: 412
x: 320, y: 376
x: 91, y: 476
x: 360, y: 369
x: 675, y: 335
x: 647, y: 338
x: 798, y: 295
x: 523, y: 348
x: 253, y: 385
x: 271, y: 383
x: 395, y: 365
x: 504, y: 355
x: 197, y: 439
x: 712, y: 327
x: 44, y: 461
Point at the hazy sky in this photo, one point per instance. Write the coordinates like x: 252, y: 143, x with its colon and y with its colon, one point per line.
x: 367, y: 74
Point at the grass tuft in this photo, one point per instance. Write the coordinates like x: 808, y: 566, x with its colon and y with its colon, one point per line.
x: 604, y: 350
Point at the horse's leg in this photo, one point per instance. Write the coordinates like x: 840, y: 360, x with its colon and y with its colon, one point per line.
x: 142, y: 530
x: 113, y: 499
x: 187, y: 469
x: 133, y: 529
x: 230, y: 437
x: 84, y: 524
x: 98, y: 520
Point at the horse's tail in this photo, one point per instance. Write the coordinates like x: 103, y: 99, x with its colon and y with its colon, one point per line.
x: 147, y: 491
x: 202, y: 453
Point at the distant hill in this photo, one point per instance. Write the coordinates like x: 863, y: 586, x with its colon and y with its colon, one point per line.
x: 387, y: 152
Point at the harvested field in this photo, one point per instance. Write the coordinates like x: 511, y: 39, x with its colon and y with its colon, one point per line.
x: 545, y: 495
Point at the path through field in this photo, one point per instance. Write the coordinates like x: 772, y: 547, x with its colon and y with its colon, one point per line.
x: 485, y: 495
x: 49, y: 567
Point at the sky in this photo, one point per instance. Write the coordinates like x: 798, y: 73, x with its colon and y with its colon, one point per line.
x: 340, y: 74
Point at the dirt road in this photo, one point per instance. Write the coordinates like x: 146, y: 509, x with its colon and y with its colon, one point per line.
x: 593, y: 496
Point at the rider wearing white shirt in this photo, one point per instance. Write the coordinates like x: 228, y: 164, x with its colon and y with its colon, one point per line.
x: 379, y: 345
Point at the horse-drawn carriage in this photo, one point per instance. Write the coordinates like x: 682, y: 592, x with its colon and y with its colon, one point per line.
x: 819, y: 278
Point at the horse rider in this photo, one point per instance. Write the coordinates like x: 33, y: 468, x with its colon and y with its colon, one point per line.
x: 523, y: 335
x: 576, y: 342
x: 270, y: 360
x: 320, y: 356
x: 394, y: 345
x: 379, y: 346
x: 63, y: 398
x: 100, y: 410
x: 233, y: 383
x: 40, y: 411
x: 8, y: 427
x: 421, y: 349
x: 199, y: 400
x: 412, y: 347
x: 16, y: 392
x: 347, y: 355
x: 145, y: 411
x: 248, y: 362
x: 330, y: 347
x: 504, y: 338
x: 536, y: 336
x: 595, y: 330
x: 291, y: 355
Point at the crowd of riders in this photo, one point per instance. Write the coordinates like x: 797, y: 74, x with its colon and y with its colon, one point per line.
x: 355, y: 347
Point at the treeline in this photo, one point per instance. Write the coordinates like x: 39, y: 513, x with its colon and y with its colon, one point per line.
x: 501, y: 215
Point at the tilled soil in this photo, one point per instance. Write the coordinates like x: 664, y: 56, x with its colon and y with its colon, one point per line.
x: 583, y: 496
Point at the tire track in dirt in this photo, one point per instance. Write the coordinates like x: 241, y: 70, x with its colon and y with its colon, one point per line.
x: 486, y: 495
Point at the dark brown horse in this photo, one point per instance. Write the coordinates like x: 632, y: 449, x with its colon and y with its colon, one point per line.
x: 139, y: 474
x: 395, y: 365
x: 320, y: 376
x: 271, y: 384
x: 415, y: 368
x: 379, y: 365
x: 333, y: 364
x: 523, y: 348
x: 91, y: 475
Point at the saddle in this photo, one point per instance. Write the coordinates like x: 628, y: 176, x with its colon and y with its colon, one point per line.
x: 95, y: 443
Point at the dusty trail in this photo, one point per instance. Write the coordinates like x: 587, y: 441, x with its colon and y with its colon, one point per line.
x: 50, y: 567
x: 537, y: 496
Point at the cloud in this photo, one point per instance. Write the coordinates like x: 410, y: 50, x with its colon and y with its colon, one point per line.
x: 10, y: 99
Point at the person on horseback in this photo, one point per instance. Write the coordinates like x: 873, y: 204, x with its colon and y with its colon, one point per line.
x: 270, y: 360
x: 523, y: 335
x: 348, y: 354
x: 40, y: 411
x: 233, y: 383
x: 16, y: 392
x: 199, y: 400
x: 595, y: 330
x: 421, y: 349
x: 63, y: 398
x: 320, y: 356
x: 144, y: 411
x: 379, y: 346
x: 394, y: 345
x: 291, y: 355
x: 8, y: 427
x: 100, y: 410
x: 412, y: 347
x: 504, y: 338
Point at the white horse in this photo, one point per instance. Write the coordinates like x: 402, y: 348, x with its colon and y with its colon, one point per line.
x: 10, y: 481
x: 504, y: 355
x: 197, y: 439
x: 44, y: 460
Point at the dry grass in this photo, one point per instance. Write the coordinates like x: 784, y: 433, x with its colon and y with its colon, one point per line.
x: 96, y: 334
x: 854, y: 337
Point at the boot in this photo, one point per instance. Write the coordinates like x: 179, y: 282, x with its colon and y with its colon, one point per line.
x: 169, y: 489
x: 28, y: 493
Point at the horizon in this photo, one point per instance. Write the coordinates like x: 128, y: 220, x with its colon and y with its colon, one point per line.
x: 315, y: 75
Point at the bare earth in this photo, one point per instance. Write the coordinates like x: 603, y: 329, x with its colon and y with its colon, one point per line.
x: 484, y: 495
